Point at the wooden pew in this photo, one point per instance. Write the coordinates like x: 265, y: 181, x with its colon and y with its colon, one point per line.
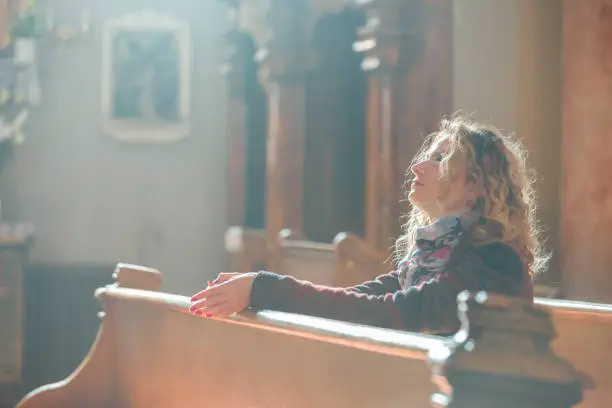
x: 584, y: 329
x: 298, y: 257
x: 584, y: 337
x: 321, y: 262
x: 150, y: 352
x: 302, y: 259
x: 356, y: 262
x: 349, y: 260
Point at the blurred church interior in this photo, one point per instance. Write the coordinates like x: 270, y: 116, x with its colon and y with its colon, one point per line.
x: 188, y: 136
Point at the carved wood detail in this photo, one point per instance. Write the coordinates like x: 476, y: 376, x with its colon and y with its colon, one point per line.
x: 502, y: 357
x: 403, y: 43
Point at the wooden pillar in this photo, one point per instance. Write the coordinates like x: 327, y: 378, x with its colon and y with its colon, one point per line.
x: 586, y: 179
x: 234, y: 70
x: 389, y: 37
x: 502, y: 357
x: 407, y: 46
x: 283, y: 70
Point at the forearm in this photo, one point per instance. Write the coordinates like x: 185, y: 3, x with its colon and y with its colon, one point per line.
x: 285, y: 293
x: 382, y: 285
x: 428, y: 306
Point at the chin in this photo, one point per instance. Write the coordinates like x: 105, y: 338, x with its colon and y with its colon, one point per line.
x: 413, y: 197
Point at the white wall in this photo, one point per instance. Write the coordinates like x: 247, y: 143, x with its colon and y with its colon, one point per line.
x: 96, y: 201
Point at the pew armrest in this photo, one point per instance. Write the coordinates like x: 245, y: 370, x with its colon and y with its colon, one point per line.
x: 137, y: 277
x: 385, y: 341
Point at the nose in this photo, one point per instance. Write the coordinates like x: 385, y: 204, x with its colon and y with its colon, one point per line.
x: 417, y: 168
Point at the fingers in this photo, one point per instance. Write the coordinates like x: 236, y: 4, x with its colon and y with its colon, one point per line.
x: 223, y: 296
x: 222, y: 309
x: 221, y: 278
x: 224, y: 277
x: 206, y: 293
x: 208, y: 300
x: 220, y: 305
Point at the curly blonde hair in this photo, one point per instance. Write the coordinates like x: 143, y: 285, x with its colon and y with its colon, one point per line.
x: 496, y: 164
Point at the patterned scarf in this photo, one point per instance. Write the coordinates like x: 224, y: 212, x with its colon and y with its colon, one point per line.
x: 433, y: 247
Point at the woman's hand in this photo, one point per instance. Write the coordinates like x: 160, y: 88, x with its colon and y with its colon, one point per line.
x: 231, y: 295
x: 223, y: 277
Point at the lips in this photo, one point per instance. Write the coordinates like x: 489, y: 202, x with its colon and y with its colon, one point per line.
x: 416, y: 183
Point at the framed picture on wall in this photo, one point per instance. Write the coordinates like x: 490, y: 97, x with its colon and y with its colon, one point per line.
x: 146, y: 77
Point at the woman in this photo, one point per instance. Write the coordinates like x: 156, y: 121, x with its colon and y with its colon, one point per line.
x: 471, y: 227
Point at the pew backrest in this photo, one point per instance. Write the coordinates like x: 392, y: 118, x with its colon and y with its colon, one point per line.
x: 306, y: 260
x: 356, y: 261
x: 584, y: 338
x: 150, y: 351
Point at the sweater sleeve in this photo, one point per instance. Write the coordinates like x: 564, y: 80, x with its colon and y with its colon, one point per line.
x: 430, y: 306
x: 381, y: 285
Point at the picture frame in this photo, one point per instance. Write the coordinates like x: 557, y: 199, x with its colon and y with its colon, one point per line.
x: 146, y: 78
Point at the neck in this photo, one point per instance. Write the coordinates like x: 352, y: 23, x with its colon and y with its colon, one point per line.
x: 437, y: 216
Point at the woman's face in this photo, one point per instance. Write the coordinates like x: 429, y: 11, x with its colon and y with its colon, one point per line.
x: 435, y: 194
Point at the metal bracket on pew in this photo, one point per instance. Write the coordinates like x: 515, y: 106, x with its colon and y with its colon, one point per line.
x: 501, y: 357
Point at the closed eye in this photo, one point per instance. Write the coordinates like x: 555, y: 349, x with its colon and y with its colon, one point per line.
x: 436, y: 156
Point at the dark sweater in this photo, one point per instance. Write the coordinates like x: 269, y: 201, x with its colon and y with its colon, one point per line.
x: 429, y: 307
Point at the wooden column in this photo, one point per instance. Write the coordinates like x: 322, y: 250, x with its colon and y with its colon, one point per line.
x: 586, y: 179
x: 283, y: 71
x: 234, y: 70
x: 390, y: 41
x: 407, y: 46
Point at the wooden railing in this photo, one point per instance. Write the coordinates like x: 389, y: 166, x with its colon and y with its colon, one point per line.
x: 150, y: 352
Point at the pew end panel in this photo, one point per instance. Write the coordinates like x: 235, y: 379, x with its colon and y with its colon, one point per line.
x: 357, y: 261
x: 92, y: 380
x: 152, y: 352
x: 501, y: 357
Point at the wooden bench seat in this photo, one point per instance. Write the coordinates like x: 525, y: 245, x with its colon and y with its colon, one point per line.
x: 150, y: 352
x: 584, y: 337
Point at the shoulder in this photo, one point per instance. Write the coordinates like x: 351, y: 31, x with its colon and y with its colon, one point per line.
x: 502, y: 257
